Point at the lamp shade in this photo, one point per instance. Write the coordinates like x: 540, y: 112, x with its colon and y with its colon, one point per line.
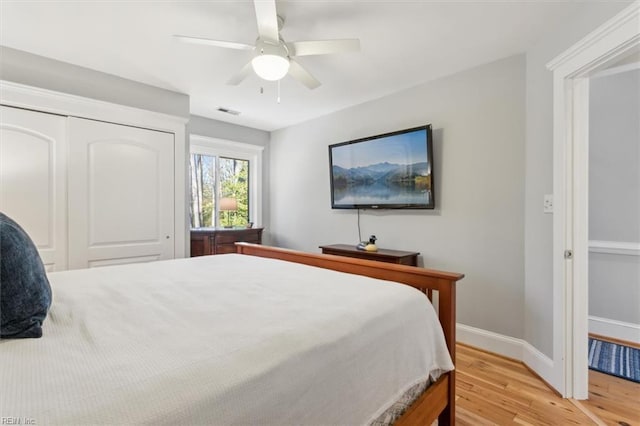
x: 228, y: 204
x: 270, y: 67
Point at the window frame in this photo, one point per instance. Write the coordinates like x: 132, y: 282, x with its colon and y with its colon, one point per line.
x: 215, y: 147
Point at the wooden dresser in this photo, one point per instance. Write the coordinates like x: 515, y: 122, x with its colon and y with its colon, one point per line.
x: 205, y: 241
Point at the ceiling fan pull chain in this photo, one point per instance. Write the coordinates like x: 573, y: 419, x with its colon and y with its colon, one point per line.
x: 278, y: 91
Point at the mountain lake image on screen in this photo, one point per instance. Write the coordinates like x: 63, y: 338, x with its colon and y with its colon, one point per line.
x: 393, y: 170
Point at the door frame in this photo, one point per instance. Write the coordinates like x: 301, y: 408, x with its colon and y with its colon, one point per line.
x: 572, y: 69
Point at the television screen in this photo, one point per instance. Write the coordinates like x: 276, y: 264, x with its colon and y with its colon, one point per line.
x: 389, y: 171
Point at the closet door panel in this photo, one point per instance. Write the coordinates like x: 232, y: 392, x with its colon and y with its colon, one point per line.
x: 121, y: 188
x: 113, y: 166
x: 33, y: 179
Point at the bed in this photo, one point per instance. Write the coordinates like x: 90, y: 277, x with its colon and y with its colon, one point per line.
x: 267, y: 336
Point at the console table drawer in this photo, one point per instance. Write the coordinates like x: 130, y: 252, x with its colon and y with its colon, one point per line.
x: 409, y: 258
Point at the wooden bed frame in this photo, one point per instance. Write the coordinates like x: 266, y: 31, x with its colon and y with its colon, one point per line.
x: 438, y: 401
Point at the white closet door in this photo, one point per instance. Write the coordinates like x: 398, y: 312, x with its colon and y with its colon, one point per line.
x: 33, y: 179
x: 121, y: 194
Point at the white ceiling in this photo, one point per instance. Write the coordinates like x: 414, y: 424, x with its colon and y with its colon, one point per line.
x: 403, y: 43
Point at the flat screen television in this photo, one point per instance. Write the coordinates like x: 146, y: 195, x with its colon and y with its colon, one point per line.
x: 388, y: 171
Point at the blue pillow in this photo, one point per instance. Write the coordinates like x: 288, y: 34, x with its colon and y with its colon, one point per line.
x: 25, y: 294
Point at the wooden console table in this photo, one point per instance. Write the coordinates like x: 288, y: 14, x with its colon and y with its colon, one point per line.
x: 205, y: 241
x: 382, y: 255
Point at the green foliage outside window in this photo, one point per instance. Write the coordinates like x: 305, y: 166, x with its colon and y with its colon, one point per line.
x: 234, y: 182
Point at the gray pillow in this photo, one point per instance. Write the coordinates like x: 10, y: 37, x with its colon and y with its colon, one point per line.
x: 25, y: 294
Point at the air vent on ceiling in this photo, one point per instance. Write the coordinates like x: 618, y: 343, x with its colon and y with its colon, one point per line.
x: 228, y: 111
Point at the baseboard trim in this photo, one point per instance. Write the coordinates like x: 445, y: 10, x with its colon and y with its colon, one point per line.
x: 490, y: 341
x: 510, y: 347
x: 541, y: 365
x: 613, y: 340
x: 618, y: 330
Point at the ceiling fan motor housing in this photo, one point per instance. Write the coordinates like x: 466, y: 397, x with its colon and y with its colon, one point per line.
x: 268, y: 47
x: 271, y: 60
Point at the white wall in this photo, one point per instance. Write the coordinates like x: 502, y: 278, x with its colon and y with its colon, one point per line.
x: 614, y: 194
x: 478, y: 121
x: 38, y: 71
x: 538, y: 313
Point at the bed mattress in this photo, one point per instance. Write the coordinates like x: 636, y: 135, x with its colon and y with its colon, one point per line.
x: 221, y: 340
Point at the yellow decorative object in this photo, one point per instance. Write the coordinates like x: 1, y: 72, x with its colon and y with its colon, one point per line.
x: 371, y: 247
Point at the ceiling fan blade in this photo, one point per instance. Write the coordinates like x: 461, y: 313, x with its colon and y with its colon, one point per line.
x: 217, y: 43
x: 267, y: 18
x: 302, y: 75
x: 241, y: 75
x: 323, y: 47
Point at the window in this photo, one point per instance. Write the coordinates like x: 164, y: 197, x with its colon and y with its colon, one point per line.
x: 225, y: 185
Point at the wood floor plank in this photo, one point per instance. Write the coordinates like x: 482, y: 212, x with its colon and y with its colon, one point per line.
x: 507, y: 399
x: 485, y: 409
x: 616, y: 401
x: 493, y: 390
x: 614, y: 386
x: 465, y: 417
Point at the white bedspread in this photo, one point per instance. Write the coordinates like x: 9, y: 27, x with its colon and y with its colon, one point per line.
x: 220, y: 340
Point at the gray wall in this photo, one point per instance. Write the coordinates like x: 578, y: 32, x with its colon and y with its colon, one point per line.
x: 538, y: 229
x: 478, y: 120
x: 614, y: 157
x: 34, y: 70
x: 219, y: 129
x: 614, y: 194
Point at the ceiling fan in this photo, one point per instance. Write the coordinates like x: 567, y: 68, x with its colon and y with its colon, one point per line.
x: 272, y: 58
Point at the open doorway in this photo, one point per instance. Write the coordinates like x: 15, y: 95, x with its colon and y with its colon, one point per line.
x: 614, y: 241
x: 614, y: 203
x: 613, y: 42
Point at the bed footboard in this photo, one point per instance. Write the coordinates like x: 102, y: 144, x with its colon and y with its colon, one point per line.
x: 439, y: 399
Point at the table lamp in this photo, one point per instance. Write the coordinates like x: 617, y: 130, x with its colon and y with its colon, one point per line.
x: 228, y: 204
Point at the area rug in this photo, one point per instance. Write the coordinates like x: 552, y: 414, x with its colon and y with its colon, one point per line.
x: 614, y: 359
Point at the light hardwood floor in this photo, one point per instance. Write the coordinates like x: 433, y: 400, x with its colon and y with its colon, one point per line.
x: 493, y: 390
x: 615, y: 401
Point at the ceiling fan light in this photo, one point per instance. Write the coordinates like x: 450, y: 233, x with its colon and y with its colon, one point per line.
x: 270, y: 67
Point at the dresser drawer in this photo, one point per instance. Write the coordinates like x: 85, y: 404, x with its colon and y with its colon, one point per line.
x: 205, y: 241
x: 225, y: 238
x: 225, y: 248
